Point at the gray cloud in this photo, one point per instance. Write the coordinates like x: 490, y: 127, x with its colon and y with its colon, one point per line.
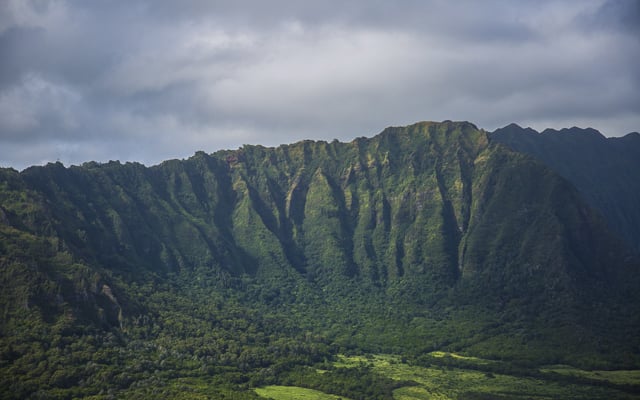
x: 151, y: 80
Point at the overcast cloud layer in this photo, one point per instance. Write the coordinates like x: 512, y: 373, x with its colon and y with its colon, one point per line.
x: 152, y: 80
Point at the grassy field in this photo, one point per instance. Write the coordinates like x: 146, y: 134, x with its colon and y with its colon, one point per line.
x: 617, y: 377
x: 474, y: 380
x: 294, y: 393
x: 438, y: 382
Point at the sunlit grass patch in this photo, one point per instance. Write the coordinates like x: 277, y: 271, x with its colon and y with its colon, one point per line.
x: 294, y: 393
x: 622, y: 377
x: 352, y: 361
x: 449, y: 382
x: 417, y: 393
x: 442, y: 354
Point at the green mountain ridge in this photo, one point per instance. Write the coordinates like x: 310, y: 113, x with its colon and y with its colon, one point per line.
x: 604, y: 170
x: 421, y: 238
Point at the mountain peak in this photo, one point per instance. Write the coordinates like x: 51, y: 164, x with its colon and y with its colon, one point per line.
x: 633, y: 136
x: 514, y: 128
x: 580, y: 132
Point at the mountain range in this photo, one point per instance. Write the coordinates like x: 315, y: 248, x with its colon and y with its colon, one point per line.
x: 512, y: 245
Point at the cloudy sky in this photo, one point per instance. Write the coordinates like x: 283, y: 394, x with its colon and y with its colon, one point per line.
x: 151, y: 80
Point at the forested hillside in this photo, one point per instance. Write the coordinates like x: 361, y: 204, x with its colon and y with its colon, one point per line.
x: 240, y: 266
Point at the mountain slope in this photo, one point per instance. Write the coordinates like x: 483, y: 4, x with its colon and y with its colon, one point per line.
x: 424, y: 237
x: 605, y: 170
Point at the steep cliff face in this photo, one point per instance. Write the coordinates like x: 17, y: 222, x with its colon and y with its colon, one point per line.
x: 377, y: 208
x: 430, y: 200
x: 41, y: 279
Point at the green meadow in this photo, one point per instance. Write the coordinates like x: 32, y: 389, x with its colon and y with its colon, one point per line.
x: 476, y: 381
x: 294, y: 393
x: 622, y: 377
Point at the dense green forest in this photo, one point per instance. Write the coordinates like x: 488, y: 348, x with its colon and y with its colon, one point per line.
x: 211, y: 276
